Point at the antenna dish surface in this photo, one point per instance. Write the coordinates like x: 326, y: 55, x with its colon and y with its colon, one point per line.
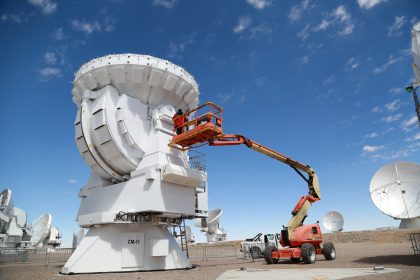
x: 151, y: 80
x: 395, y: 190
x: 21, y: 217
x: 41, y: 229
x: 333, y: 221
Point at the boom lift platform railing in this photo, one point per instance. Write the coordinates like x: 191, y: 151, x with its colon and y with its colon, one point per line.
x: 202, y: 124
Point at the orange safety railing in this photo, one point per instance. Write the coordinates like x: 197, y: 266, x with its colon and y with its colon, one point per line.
x: 202, y: 124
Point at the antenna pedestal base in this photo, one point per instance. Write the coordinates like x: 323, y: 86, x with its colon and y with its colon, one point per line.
x: 126, y: 247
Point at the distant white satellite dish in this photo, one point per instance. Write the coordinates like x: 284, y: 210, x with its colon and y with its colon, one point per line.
x: 21, y: 217
x: 6, y: 202
x: 189, y: 235
x: 77, y: 237
x: 395, y: 190
x: 333, y: 221
x: 213, y: 220
x: 41, y: 229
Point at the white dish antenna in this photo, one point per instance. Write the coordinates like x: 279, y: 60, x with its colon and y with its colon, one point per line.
x: 395, y: 190
x: 333, y: 221
x: 21, y: 217
x: 213, y: 220
x: 189, y: 235
x: 41, y: 229
x: 77, y: 237
x: 6, y: 202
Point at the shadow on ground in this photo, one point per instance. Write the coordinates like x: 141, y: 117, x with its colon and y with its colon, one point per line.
x: 410, y: 260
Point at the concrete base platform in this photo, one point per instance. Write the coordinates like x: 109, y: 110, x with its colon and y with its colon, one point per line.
x: 304, y: 273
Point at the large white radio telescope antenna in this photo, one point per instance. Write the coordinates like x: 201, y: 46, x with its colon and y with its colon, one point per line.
x: 395, y: 190
x: 41, y: 229
x: 333, y: 221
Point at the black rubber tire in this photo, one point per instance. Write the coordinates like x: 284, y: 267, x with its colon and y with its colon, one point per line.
x: 295, y: 260
x: 255, y: 252
x: 328, y: 251
x: 308, y: 253
x: 267, y: 255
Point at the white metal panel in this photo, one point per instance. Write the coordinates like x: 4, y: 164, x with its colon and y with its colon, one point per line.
x: 89, y: 81
x: 102, y: 76
x: 132, y: 245
x: 155, y: 77
x: 118, y: 74
x: 170, y: 82
x: 182, y: 176
x: 160, y: 247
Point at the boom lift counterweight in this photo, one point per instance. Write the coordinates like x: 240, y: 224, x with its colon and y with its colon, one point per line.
x: 299, y: 241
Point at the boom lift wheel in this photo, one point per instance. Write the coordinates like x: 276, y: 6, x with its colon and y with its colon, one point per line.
x: 255, y: 252
x: 268, y: 255
x: 308, y: 253
x: 328, y: 251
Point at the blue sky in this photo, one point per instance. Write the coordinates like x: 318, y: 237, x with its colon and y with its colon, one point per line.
x: 320, y: 81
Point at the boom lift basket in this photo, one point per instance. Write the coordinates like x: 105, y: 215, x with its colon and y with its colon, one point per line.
x: 202, y: 124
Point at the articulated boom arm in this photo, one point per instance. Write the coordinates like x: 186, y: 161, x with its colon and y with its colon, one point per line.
x: 301, y: 208
x: 207, y: 127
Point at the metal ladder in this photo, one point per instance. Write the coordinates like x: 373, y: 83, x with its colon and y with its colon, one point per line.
x: 183, y: 236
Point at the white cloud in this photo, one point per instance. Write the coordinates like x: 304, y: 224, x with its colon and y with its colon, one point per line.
x: 298, y: 10
x: 47, y: 6
x: 260, y: 81
x: 415, y: 137
x: 341, y: 15
x: 393, y: 106
x: 86, y: 27
x: 168, y: 4
x: 395, y: 90
x: 58, y: 34
x: 304, y: 33
x: 371, y: 149
x: 338, y: 17
x: 49, y: 72
x: 322, y: 26
x: 404, y: 151
x: 72, y: 181
x: 11, y: 18
x: 109, y: 23
x: 259, y: 4
x: 391, y: 60
x: 351, y: 64
x: 371, y: 135
x: 50, y: 58
x: 224, y: 97
x: 304, y: 59
x: 391, y: 118
x: 367, y: 4
x: 377, y: 109
x: 243, y: 23
x: 408, y: 124
x: 329, y: 80
x: 395, y: 28
x: 178, y: 48
x: 262, y: 29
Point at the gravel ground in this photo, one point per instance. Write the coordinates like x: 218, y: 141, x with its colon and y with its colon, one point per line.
x: 391, y: 255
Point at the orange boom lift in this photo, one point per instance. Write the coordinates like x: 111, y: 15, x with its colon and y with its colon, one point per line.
x: 204, y: 125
